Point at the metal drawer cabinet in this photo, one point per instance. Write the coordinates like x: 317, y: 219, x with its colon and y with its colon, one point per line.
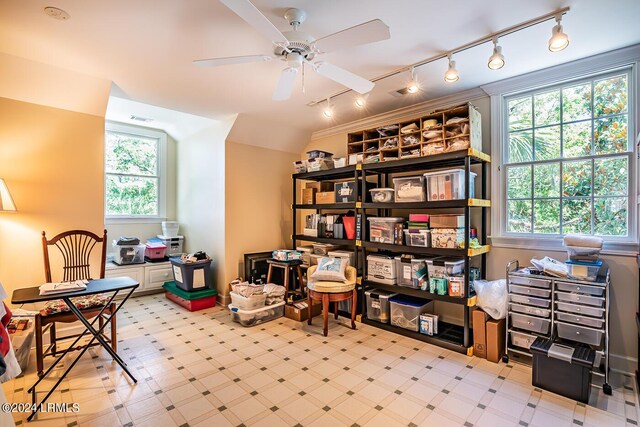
x: 530, y: 323
x: 527, y: 309
x: 528, y: 281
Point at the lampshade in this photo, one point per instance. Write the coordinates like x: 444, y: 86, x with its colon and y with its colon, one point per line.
x: 6, y: 202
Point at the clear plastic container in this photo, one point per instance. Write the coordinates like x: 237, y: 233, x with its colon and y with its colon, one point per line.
x: 258, y: 316
x: 443, y: 267
x: 252, y: 302
x: 530, y: 323
x: 378, y: 304
x: 449, y: 238
x: 155, y: 250
x: 383, y: 230
x: 580, y: 333
x: 420, y: 238
x: 583, y: 270
x: 170, y: 228
x: 409, y: 189
x: 382, y: 195
x: 448, y: 185
x: 406, y: 311
x: 520, y: 339
x: 129, y: 254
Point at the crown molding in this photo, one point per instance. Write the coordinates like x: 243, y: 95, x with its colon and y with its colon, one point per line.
x: 401, y: 114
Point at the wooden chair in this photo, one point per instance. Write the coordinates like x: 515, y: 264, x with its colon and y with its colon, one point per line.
x: 332, y: 292
x: 75, y: 247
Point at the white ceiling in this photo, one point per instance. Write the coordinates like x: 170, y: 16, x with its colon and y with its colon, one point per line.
x: 146, y: 47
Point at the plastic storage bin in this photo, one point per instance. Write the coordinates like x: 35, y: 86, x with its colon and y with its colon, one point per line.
x: 129, y: 254
x: 448, y: 238
x: 448, y: 185
x: 170, y: 228
x: 382, y: 195
x: 421, y: 238
x: 381, y: 269
x: 520, y: 339
x: 191, y: 276
x: 248, y: 303
x: 580, y: 333
x: 174, y: 244
x: 406, y: 311
x: 564, y: 368
x: 155, y: 250
x: 192, y: 301
x: 530, y: 323
x: 378, y: 304
x: 258, y: 316
x: 384, y: 230
x: 583, y: 270
x: 409, y: 189
x: 443, y: 267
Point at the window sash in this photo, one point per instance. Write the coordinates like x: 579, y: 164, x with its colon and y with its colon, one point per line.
x: 592, y: 157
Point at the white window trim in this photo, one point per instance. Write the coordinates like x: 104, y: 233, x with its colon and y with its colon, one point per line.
x: 582, y: 68
x: 162, y: 175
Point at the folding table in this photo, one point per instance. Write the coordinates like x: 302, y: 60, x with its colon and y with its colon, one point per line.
x: 99, y: 286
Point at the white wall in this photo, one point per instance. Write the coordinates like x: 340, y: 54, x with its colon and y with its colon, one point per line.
x: 201, y: 194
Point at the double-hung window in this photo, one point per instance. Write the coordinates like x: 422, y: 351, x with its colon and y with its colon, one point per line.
x: 134, y: 172
x: 568, y: 159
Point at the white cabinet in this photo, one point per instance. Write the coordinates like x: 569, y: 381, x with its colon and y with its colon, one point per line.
x: 151, y: 276
x: 156, y: 274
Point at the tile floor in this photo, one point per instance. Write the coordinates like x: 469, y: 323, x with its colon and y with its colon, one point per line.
x: 201, y: 369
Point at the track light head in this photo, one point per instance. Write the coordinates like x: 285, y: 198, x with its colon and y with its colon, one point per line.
x: 452, y: 74
x: 496, y: 60
x: 328, y: 110
x: 559, y: 39
x: 413, y: 86
x: 361, y: 101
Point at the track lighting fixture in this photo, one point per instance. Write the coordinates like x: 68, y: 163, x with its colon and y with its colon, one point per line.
x: 361, y: 101
x: 559, y: 40
x: 496, y: 60
x: 328, y: 110
x: 413, y: 86
x: 452, y: 74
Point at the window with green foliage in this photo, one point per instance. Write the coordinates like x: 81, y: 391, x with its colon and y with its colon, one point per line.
x: 568, y: 157
x: 132, y: 173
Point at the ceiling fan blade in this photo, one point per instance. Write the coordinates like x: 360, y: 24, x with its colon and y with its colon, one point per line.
x: 247, y: 11
x: 216, y: 62
x: 367, y: 32
x: 344, y: 77
x: 285, y: 84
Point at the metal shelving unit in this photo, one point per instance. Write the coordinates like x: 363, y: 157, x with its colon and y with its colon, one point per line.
x: 454, y: 337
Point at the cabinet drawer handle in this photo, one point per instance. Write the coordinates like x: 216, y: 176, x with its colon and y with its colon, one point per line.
x: 577, y: 319
x: 578, y: 288
x: 529, y: 323
x: 577, y: 308
x: 577, y: 333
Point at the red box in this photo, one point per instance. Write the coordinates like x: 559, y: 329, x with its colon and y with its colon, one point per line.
x: 193, y: 305
x: 155, y: 250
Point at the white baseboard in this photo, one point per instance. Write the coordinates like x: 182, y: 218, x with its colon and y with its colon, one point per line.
x: 623, y: 364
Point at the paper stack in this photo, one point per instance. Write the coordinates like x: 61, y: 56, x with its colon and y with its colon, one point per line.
x: 61, y: 287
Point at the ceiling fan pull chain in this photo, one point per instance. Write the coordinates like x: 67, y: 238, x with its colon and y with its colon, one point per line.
x: 303, y: 78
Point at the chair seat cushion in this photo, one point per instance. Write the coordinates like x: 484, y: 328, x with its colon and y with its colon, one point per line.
x: 331, y: 287
x: 85, y: 302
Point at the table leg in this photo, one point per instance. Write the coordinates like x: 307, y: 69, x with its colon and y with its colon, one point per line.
x: 309, y: 303
x: 325, y: 313
x: 96, y: 335
x: 354, y: 304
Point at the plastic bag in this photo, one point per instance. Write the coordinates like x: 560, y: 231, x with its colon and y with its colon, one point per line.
x: 492, y: 297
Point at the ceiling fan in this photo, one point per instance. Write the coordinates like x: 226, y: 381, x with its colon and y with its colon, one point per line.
x: 297, y: 48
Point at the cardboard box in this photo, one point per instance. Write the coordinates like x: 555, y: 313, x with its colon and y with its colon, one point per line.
x: 325, y: 197
x: 479, y: 333
x: 495, y: 332
x: 301, y: 314
x: 308, y: 196
x: 446, y: 221
x: 320, y: 186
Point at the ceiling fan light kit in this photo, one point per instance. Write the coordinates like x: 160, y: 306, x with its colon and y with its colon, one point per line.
x: 558, y: 41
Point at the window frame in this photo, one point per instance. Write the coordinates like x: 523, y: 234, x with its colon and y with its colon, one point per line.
x: 124, y: 128
x: 610, y: 63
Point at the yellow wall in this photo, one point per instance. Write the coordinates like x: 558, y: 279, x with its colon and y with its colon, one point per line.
x: 257, y: 202
x: 52, y: 161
